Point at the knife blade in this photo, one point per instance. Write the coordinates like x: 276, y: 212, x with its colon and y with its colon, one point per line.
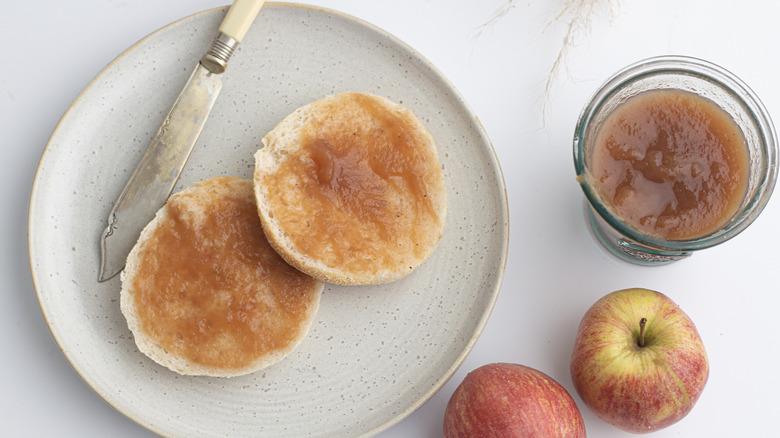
x: 155, y: 177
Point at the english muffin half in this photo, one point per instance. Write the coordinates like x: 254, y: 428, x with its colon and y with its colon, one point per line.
x: 205, y: 294
x: 350, y: 190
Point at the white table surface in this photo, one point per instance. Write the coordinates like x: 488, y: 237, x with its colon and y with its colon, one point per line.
x: 555, y: 270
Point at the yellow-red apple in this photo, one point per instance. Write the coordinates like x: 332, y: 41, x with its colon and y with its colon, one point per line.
x: 638, y: 361
x: 509, y: 400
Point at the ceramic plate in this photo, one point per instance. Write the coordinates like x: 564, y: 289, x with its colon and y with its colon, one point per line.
x: 373, y: 354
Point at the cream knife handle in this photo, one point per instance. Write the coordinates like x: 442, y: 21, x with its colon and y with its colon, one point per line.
x: 239, y: 17
x: 232, y: 30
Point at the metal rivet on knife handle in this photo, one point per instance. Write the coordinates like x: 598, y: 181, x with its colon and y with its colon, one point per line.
x: 216, y: 59
x: 232, y: 30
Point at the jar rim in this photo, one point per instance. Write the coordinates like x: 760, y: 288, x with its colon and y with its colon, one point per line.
x: 723, y: 79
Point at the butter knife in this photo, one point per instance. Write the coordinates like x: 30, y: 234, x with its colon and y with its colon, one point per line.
x: 153, y: 180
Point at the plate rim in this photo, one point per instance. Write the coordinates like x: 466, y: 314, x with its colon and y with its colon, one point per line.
x: 110, y: 399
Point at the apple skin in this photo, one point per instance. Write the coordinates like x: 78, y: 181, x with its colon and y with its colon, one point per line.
x: 639, y: 389
x: 510, y: 400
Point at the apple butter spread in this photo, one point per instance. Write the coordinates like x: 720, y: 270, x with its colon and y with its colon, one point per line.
x: 671, y: 163
x: 361, y: 190
x: 210, y: 289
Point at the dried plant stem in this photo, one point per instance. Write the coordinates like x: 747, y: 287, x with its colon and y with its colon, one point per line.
x: 577, y: 15
x: 499, y: 14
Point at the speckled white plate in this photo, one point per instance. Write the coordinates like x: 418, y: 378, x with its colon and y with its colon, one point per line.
x: 374, y: 354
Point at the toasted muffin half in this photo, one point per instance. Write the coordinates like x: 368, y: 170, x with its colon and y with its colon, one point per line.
x: 350, y: 190
x: 205, y: 294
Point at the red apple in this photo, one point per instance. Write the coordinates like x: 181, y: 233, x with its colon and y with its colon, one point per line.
x: 509, y: 400
x: 638, y: 361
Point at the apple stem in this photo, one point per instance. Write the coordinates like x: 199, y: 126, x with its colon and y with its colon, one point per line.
x: 642, y: 323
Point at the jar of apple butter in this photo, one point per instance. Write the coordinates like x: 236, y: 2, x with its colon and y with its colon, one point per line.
x: 674, y: 154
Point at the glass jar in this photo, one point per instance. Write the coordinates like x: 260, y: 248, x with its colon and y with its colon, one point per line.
x: 706, y: 80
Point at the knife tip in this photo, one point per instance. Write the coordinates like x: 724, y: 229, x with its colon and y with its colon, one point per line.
x: 106, y: 272
x: 105, y: 276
